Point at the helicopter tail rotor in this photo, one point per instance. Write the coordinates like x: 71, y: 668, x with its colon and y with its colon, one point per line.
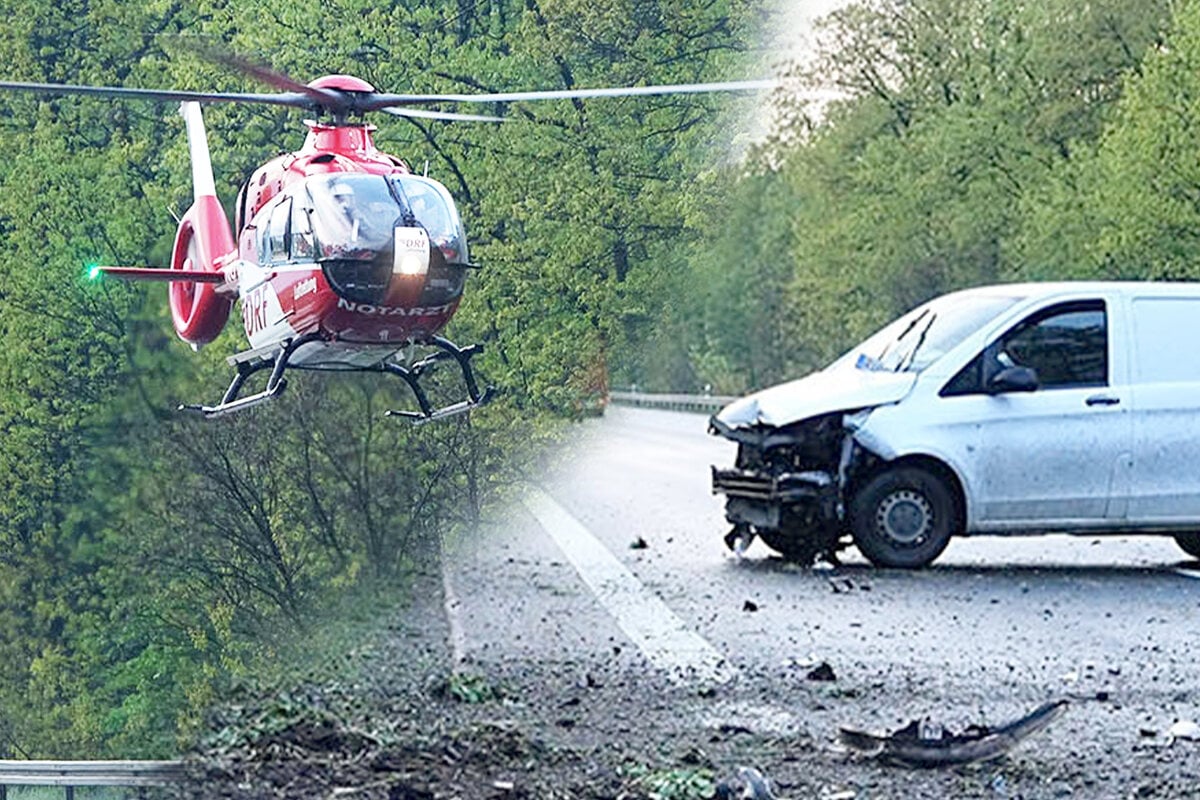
x: 203, y: 243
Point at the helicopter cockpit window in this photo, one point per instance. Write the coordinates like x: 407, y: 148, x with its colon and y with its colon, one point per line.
x: 353, y: 215
x: 302, y: 237
x: 434, y: 209
x: 357, y: 220
x: 354, y: 219
x: 280, y: 219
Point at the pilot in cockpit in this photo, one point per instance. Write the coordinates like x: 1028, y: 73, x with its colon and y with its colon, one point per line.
x: 344, y: 200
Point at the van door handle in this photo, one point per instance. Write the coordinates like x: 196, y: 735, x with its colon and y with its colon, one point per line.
x: 1102, y: 400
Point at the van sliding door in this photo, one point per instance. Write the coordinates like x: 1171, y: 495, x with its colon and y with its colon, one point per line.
x: 1166, y: 430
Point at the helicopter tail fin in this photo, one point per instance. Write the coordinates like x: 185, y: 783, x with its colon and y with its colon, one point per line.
x: 204, y: 243
x: 203, y: 184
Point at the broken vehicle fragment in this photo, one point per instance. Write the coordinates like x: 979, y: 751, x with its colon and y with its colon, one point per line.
x: 920, y: 744
x: 753, y: 784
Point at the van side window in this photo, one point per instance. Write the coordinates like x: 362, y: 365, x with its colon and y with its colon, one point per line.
x: 1067, y: 345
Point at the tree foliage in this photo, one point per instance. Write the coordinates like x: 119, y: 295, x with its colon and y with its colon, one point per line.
x: 964, y: 151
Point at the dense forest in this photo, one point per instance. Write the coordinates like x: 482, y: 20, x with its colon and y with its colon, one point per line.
x: 149, y: 562
x: 978, y: 141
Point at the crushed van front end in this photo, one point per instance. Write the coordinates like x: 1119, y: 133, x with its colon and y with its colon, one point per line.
x: 785, y: 485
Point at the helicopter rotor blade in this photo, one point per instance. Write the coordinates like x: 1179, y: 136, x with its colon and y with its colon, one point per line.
x: 446, y: 115
x: 382, y: 100
x: 332, y: 101
x: 283, y: 99
x: 298, y: 95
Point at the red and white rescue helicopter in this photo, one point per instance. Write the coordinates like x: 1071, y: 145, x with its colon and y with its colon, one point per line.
x: 342, y: 257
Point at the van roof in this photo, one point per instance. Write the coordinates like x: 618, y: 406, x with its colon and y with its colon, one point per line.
x: 1051, y: 288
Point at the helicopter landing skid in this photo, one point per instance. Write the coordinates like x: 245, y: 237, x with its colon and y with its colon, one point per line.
x: 255, y: 361
x: 246, y: 367
x: 411, y: 375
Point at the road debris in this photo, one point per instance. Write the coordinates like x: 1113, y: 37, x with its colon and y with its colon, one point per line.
x: 738, y: 539
x: 846, y: 586
x: 821, y: 672
x: 639, y: 544
x: 750, y: 606
x: 1183, y: 729
x: 922, y: 744
x: 754, y: 786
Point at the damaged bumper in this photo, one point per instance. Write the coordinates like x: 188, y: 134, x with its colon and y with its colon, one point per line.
x: 787, y: 483
x: 790, y: 487
x: 758, y: 500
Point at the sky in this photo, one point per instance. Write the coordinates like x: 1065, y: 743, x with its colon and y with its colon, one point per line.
x: 794, y: 38
x: 788, y: 42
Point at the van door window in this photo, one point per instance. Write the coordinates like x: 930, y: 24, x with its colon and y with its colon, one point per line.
x: 1067, y: 345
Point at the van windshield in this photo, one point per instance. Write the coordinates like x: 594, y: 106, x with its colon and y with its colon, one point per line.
x: 925, y: 334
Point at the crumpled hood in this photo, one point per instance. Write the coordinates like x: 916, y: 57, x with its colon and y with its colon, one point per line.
x: 823, y: 392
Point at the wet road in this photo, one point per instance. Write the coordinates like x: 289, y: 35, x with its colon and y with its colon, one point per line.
x: 994, y: 627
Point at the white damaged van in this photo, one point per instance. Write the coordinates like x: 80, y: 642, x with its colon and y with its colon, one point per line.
x: 1014, y: 409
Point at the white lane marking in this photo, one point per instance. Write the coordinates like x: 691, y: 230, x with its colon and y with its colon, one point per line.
x: 684, y: 655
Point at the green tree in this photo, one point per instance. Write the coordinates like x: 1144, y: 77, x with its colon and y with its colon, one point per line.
x: 956, y: 117
x: 1128, y: 207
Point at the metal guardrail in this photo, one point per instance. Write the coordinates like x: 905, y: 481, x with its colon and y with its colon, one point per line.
x: 70, y: 774
x: 707, y: 403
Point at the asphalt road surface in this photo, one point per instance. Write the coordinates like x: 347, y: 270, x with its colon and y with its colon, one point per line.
x: 607, y: 584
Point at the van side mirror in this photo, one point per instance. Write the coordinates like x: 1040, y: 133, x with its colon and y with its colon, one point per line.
x: 1014, y: 379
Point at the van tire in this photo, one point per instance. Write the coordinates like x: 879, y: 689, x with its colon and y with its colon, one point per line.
x: 799, y: 536
x: 1189, y: 542
x: 903, y: 517
x: 790, y: 545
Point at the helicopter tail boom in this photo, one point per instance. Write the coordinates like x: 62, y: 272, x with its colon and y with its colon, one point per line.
x: 160, y: 274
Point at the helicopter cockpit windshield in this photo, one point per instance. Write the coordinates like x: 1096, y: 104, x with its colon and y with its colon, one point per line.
x: 352, y: 214
x: 434, y: 209
x: 359, y: 221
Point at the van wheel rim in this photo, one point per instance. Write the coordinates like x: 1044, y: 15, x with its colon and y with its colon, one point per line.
x: 905, y: 517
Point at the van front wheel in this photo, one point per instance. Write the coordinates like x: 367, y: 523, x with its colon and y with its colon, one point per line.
x: 803, y: 534
x: 903, y: 517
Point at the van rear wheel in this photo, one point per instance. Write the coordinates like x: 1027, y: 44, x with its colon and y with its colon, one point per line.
x: 903, y: 517
x: 1189, y: 542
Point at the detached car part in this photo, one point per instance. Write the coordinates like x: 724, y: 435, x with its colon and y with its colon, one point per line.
x: 920, y: 744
